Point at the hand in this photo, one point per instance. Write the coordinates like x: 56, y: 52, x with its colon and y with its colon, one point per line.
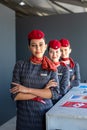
x: 18, y: 88
x: 73, y: 77
x: 51, y: 83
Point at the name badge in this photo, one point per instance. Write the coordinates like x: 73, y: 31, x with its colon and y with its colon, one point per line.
x: 42, y: 74
x: 60, y: 74
x: 70, y: 70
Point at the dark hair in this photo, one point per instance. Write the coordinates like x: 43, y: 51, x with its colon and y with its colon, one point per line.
x: 48, y: 48
x: 29, y: 41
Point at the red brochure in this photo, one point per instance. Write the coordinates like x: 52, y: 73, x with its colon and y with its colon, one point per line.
x: 75, y: 104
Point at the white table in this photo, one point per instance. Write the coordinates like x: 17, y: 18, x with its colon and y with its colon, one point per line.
x: 68, y: 118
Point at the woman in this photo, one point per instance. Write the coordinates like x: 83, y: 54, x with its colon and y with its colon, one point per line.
x: 31, y: 85
x: 63, y: 73
x: 72, y: 66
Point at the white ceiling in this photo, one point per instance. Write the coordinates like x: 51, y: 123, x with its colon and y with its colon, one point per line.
x: 46, y: 7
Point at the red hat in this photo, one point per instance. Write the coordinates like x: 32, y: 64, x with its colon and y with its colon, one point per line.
x: 36, y: 34
x: 64, y: 42
x: 55, y: 44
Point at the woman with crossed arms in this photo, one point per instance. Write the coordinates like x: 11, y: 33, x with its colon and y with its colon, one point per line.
x: 34, y: 85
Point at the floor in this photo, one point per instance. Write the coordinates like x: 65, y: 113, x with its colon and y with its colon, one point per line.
x: 10, y: 125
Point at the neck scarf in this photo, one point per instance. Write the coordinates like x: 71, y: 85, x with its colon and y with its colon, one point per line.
x: 57, y: 64
x: 64, y: 59
x: 72, y: 64
x: 47, y: 64
x: 62, y: 63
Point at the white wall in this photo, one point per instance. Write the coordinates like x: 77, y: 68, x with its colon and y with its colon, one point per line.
x: 7, y: 61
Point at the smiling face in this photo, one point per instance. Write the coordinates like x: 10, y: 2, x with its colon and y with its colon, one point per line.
x: 54, y: 54
x: 65, y: 52
x: 37, y: 47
